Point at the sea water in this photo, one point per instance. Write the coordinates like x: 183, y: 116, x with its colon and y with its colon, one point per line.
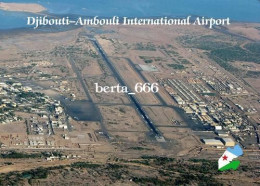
x: 237, y: 10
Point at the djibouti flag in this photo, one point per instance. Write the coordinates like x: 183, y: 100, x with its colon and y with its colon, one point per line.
x: 226, y: 162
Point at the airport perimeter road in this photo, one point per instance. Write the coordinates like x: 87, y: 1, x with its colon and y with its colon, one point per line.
x: 84, y: 86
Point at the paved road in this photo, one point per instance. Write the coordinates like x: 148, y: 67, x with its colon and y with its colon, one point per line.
x: 186, y: 119
x: 84, y: 86
x: 146, y: 81
x: 131, y: 97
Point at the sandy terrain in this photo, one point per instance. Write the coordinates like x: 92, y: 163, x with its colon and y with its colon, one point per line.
x: 163, y: 116
x: 123, y: 123
x: 247, y: 65
x: 185, y: 139
x: 22, y: 7
x: 248, y: 30
x: 42, y: 42
x: 132, y: 78
x: 254, y: 83
x: 92, y: 69
x: 162, y: 92
x: 122, y: 118
x: 105, y: 98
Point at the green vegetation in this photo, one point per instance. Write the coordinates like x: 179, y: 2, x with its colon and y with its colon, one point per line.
x: 224, y: 53
x: 177, y: 66
x: 224, y: 57
x: 16, y: 178
x: 159, y: 160
x: 244, y: 168
x: 177, y: 59
x: 199, y: 171
x: 235, y: 53
x: 187, y: 179
x: 252, y: 74
x: 148, y: 59
x: 206, y: 42
x: 73, y: 50
x: 172, y: 52
x: 198, y: 160
x: 153, y: 170
x: 122, y: 110
x: 8, y: 163
x: 253, y: 47
x: 84, y: 165
x: 18, y: 155
x: 225, y: 64
x: 212, y: 45
x: 45, y: 75
x: 139, y: 148
x: 183, y: 61
x: 24, y: 70
x: 141, y: 162
x: 3, y: 71
x: 30, y: 95
x: 151, y: 180
x: 145, y: 46
x: 64, y: 69
x: 39, y: 173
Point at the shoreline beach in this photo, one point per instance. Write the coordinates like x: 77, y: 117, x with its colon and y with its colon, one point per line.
x: 22, y: 7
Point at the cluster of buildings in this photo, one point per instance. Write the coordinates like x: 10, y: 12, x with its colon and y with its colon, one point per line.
x: 219, y: 142
x: 38, y: 127
x: 46, y: 125
x: 39, y: 141
x: 15, y: 97
x: 61, y: 157
x: 42, y: 115
x: 225, y: 86
x: 206, y: 108
x: 9, y: 102
x: 184, y: 94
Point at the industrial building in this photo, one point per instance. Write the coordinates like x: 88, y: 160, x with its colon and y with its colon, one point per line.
x: 222, y: 133
x: 228, y: 142
x: 212, y: 142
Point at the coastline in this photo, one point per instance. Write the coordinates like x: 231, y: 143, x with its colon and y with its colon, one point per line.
x: 22, y: 7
